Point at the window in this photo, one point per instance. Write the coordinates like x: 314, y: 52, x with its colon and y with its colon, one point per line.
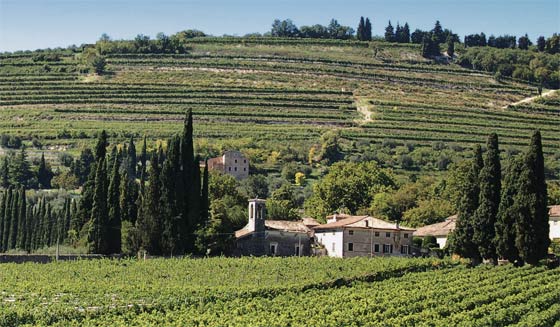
x: 235, y: 160
x: 405, y: 235
x: 388, y: 234
x: 376, y: 248
x: 404, y: 249
x: 350, y: 247
x: 367, y: 223
x: 297, y: 250
x: 235, y: 169
x: 387, y: 248
x: 376, y: 234
x: 229, y: 168
x: 350, y: 232
x: 245, y: 161
x: 273, y: 248
x: 244, y: 169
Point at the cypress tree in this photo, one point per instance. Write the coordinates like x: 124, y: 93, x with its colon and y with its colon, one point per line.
x: 143, y: 159
x: 14, y: 222
x: 506, y: 218
x: 173, y: 222
x: 204, y: 211
x: 44, y: 174
x: 48, y: 222
x: 389, y: 33
x: 2, y: 209
x: 360, y: 33
x: 405, y: 33
x: 7, y: 219
x: 22, y: 217
x: 367, y: 30
x: 67, y: 217
x: 114, y: 211
x: 5, y: 176
x: 450, y: 46
x: 463, y: 235
x: 532, y: 233
x: 97, y: 233
x: 185, y: 191
x: 149, y: 222
x: 101, y: 146
x: 484, y: 219
x: 75, y: 221
x: 131, y: 159
x: 30, y: 229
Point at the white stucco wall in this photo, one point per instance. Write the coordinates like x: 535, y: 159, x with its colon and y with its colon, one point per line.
x: 554, y: 223
x: 441, y: 241
x: 328, y: 238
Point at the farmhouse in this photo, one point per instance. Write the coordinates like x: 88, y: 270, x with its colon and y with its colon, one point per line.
x: 442, y: 230
x: 439, y: 230
x: 273, y: 237
x: 360, y: 236
x: 233, y: 163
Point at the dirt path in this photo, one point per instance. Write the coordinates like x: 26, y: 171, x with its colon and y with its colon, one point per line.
x: 531, y: 99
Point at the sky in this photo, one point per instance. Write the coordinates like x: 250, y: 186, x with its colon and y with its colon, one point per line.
x: 36, y: 24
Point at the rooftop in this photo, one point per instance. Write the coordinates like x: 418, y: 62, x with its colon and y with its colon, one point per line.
x: 438, y: 229
x: 299, y: 226
x: 359, y: 222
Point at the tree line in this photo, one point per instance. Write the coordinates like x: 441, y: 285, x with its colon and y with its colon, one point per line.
x: 157, y: 202
x: 503, y: 217
x: 549, y: 45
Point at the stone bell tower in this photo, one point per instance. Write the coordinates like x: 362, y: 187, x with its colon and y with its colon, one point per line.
x: 257, y: 211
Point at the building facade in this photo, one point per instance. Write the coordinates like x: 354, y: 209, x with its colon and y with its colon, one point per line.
x: 345, y: 236
x: 554, y: 222
x: 273, y: 237
x: 233, y: 163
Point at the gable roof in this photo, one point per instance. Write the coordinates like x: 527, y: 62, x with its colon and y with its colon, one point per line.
x: 278, y: 225
x: 554, y: 211
x: 351, y: 221
x: 438, y: 229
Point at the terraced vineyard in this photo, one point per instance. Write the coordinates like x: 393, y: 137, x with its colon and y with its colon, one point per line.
x: 261, y: 90
x: 277, y: 292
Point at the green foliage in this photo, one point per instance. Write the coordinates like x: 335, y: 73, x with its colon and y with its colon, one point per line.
x: 348, y: 187
x: 428, y: 212
x: 429, y: 242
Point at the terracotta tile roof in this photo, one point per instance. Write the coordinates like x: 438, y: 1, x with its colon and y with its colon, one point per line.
x: 280, y: 225
x: 438, y: 229
x: 309, y: 222
x: 352, y: 221
x: 554, y: 211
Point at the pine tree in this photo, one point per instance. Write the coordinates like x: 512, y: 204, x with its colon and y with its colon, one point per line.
x: 541, y: 43
x: 506, y: 218
x: 532, y: 232
x: 20, y: 172
x: 438, y: 33
x: 44, y: 175
x: 463, y: 235
x: 398, y: 33
x: 22, y: 218
x: 97, y: 233
x: 484, y: 219
x: 360, y: 33
x: 389, y: 33
x: 367, y: 30
x: 114, y: 211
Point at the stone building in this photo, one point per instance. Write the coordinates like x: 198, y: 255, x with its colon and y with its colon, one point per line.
x: 233, y: 163
x: 554, y: 222
x: 346, y: 236
x: 439, y: 230
x: 273, y: 237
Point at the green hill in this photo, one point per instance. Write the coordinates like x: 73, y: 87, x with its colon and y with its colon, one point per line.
x: 262, y: 95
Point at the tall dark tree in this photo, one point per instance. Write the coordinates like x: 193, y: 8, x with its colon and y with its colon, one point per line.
x: 507, y: 213
x: 101, y: 146
x: 405, y: 34
x: 532, y: 239
x: 173, y: 224
x: 463, y: 235
x: 22, y: 220
x: 149, y: 222
x: 484, y: 219
x: 523, y: 42
x: 14, y: 221
x: 97, y: 229
x: 44, y: 174
x: 360, y: 32
x: 20, y: 172
x: 437, y: 31
x: 143, y: 159
x: 7, y: 213
x: 450, y: 47
x: 541, y: 43
x: 131, y: 159
x: 114, y: 210
x: 5, y: 174
x: 2, y: 209
x: 204, y: 212
x: 367, y: 30
x: 389, y: 33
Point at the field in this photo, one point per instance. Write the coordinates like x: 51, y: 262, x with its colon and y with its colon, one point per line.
x: 249, y: 93
x: 277, y: 292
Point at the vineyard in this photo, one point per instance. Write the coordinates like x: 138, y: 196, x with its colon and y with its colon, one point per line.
x: 277, y: 292
x: 258, y: 91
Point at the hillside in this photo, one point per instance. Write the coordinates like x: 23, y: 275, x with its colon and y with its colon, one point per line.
x: 252, y: 93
